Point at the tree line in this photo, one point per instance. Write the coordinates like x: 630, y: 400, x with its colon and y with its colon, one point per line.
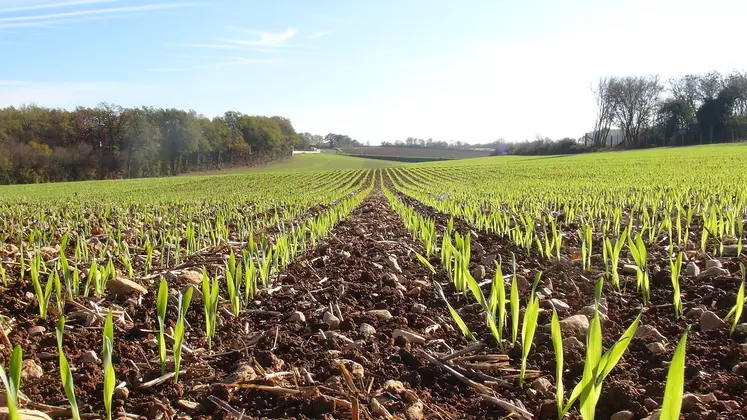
x: 330, y: 141
x: 40, y: 144
x: 691, y: 109
x: 644, y: 111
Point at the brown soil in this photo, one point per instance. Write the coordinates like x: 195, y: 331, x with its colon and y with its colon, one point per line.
x: 350, y: 270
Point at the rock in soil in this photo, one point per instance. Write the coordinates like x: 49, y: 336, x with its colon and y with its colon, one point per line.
x: 243, y: 373
x: 650, y: 334
x: 709, y: 321
x: 690, y: 401
x: 575, y: 326
x: 542, y: 385
x: 713, y: 263
x: 572, y: 343
x: 297, y: 317
x: 692, y: 269
x: 367, y: 330
x: 192, y: 277
x: 30, y: 370
x: 331, y: 320
x: 589, y: 311
x: 395, y: 387
x: 695, y: 312
x: 478, y: 272
x: 558, y: 304
x: 38, y: 330
x: 393, y: 264
x: 656, y: 347
x: 415, y: 412
x: 123, y: 286
x: 731, y: 404
x: 730, y: 250
x: 650, y: 404
x: 630, y: 269
x: 121, y: 393
x: 347, y: 325
x: 355, y: 368
x: 188, y: 406
x: 90, y: 357
x: 713, y: 272
x: 741, y: 328
x: 622, y: 415
x: 740, y: 368
x: 382, y: 314
x: 522, y: 282
x: 418, y: 308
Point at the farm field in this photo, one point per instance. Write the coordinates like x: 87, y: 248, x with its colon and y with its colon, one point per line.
x: 414, y: 154
x: 601, y: 286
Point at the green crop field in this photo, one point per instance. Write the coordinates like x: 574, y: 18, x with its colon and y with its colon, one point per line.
x: 537, y: 287
x: 328, y: 161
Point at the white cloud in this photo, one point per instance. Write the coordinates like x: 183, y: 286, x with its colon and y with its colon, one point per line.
x: 267, y: 39
x: 207, y: 46
x: 13, y: 83
x: 69, y: 17
x: 214, y: 63
x: 319, y: 34
x: 55, y: 5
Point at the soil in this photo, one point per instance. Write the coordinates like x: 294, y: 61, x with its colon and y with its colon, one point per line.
x: 350, y: 270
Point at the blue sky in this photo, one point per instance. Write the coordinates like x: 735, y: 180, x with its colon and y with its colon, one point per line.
x: 471, y: 70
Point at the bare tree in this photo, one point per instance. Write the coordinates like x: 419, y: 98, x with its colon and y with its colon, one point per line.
x: 635, y: 99
x: 605, y: 110
x: 687, y: 89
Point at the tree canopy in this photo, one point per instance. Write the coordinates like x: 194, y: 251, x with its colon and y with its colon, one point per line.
x: 40, y: 144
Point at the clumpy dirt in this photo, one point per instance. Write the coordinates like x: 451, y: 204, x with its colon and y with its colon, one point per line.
x: 264, y: 365
x: 641, y: 375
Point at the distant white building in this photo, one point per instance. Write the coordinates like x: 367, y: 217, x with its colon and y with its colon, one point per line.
x: 306, y: 152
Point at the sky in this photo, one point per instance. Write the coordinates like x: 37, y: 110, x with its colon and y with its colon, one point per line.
x: 377, y: 70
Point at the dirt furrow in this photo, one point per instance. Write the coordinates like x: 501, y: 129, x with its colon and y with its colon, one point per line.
x: 637, y: 384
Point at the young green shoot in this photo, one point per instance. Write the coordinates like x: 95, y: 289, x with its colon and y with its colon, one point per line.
x: 497, y: 305
x: 736, y: 311
x: 514, y: 304
x: 454, y: 314
x: 184, y: 301
x: 210, y: 300
x: 109, y: 376
x: 673, y: 390
x: 597, y: 365
x: 43, y: 295
x: 233, y: 285
x: 66, y: 374
x: 675, y: 267
x: 161, y: 304
x: 426, y: 263
x: 250, y: 278
x: 529, y: 327
x: 12, y: 382
x: 557, y: 344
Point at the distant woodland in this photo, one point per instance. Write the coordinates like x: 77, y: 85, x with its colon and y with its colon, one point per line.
x: 40, y: 144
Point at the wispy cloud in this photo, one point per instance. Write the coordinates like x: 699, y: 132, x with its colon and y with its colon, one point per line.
x: 215, y: 62
x: 207, y: 46
x: 68, y: 17
x: 267, y: 39
x: 56, y: 5
x: 319, y: 34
